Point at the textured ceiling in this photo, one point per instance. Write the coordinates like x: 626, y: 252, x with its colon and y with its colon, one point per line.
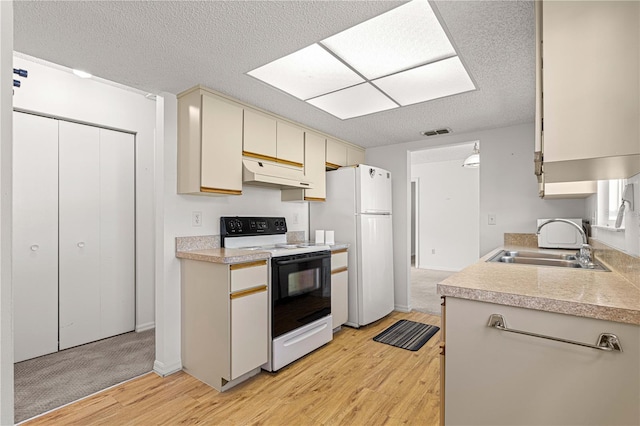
x: 170, y: 46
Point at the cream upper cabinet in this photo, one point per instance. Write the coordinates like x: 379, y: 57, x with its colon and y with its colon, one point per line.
x: 354, y: 156
x: 590, y: 90
x: 336, y: 154
x: 209, y: 144
x: 274, y: 140
x: 314, y: 171
x: 290, y: 144
x: 259, y: 135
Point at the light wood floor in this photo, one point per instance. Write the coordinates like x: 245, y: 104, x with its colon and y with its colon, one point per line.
x: 351, y: 381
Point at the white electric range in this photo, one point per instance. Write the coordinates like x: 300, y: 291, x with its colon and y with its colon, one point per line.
x: 299, y: 286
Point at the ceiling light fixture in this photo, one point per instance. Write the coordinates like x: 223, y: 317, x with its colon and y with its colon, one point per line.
x: 473, y: 160
x: 399, y: 58
x: 82, y: 74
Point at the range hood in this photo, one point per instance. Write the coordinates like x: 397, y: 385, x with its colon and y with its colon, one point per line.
x: 266, y: 173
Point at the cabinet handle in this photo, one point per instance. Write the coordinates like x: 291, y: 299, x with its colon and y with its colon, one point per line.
x: 339, y: 270
x: 81, y: 244
x: 35, y: 247
x: 606, y: 341
x: 249, y: 292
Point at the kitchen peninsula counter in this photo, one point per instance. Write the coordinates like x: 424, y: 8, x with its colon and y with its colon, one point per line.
x: 579, y: 292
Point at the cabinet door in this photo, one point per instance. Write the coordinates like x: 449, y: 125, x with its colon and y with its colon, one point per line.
x: 314, y: 167
x: 35, y: 235
x: 221, y: 157
x: 290, y: 144
x: 79, y: 234
x: 259, y: 135
x: 336, y: 154
x: 249, y: 330
x: 499, y: 378
x: 339, y: 288
x: 590, y: 79
x: 354, y: 156
x: 117, y: 233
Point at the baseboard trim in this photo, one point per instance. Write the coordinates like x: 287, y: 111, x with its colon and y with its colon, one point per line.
x: 164, y: 370
x: 144, y: 327
x: 402, y: 308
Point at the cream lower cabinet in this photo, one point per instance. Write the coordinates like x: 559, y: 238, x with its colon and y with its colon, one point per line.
x: 224, y: 321
x: 209, y: 144
x: 339, y: 287
x: 494, y: 377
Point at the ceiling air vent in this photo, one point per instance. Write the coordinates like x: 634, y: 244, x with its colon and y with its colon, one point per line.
x: 436, y: 132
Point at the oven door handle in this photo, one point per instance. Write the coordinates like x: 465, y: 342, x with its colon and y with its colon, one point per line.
x: 300, y: 260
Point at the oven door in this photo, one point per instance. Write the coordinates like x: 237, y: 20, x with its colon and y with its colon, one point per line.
x: 300, y: 290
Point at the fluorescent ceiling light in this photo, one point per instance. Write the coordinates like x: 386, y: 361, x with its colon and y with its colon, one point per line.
x: 354, y: 102
x: 399, y: 58
x: 405, y: 37
x: 307, y: 73
x: 431, y: 81
x: 82, y: 74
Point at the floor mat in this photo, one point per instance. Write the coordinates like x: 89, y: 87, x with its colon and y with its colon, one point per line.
x: 407, y: 334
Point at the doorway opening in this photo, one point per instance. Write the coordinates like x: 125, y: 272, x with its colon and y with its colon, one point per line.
x: 445, y: 228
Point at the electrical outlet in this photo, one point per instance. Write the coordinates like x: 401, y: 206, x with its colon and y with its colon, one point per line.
x: 196, y: 219
x: 296, y: 219
x: 492, y: 219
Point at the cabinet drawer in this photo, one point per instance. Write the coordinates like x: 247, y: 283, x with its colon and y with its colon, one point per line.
x: 339, y: 260
x: 247, y: 275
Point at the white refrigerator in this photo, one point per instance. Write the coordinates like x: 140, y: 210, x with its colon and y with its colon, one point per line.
x: 358, y: 209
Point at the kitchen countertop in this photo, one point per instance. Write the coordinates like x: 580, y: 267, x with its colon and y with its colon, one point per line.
x: 223, y: 255
x: 226, y: 255
x: 580, y: 292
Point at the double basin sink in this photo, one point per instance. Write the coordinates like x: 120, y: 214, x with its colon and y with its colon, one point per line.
x: 544, y: 259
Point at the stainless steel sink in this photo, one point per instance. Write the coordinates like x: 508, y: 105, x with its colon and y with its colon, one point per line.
x: 544, y: 259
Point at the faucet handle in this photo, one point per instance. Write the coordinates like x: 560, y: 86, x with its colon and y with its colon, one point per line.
x: 586, y: 254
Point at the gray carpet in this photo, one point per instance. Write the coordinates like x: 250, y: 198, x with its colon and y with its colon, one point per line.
x: 406, y: 334
x: 50, y: 381
x: 424, y: 294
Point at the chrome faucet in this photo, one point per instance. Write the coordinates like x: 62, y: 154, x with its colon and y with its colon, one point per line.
x: 584, y: 255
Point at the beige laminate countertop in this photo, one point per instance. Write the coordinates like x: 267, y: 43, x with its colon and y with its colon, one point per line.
x: 223, y: 255
x: 584, y: 293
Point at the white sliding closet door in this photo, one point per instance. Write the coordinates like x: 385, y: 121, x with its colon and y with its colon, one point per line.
x: 35, y: 235
x: 79, y: 207
x: 97, y: 234
x: 117, y: 233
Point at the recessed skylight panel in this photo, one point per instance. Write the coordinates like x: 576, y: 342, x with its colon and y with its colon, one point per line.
x: 309, y: 72
x: 405, y: 37
x: 353, y: 102
x: 432, y: 81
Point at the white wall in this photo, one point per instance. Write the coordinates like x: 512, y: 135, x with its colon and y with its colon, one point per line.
x: 508, y: 189
x: 177, y: 210
x: 448, y: 215
x: 54, y: 91
x: 629, y: 240
x: 6, y: 142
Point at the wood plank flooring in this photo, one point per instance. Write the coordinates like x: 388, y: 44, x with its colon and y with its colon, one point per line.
x: 351, y: 381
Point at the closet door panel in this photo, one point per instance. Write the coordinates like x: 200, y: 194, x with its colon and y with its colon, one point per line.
x: 117, y: 233
x: 79, y: 234
x: 35, y: 235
